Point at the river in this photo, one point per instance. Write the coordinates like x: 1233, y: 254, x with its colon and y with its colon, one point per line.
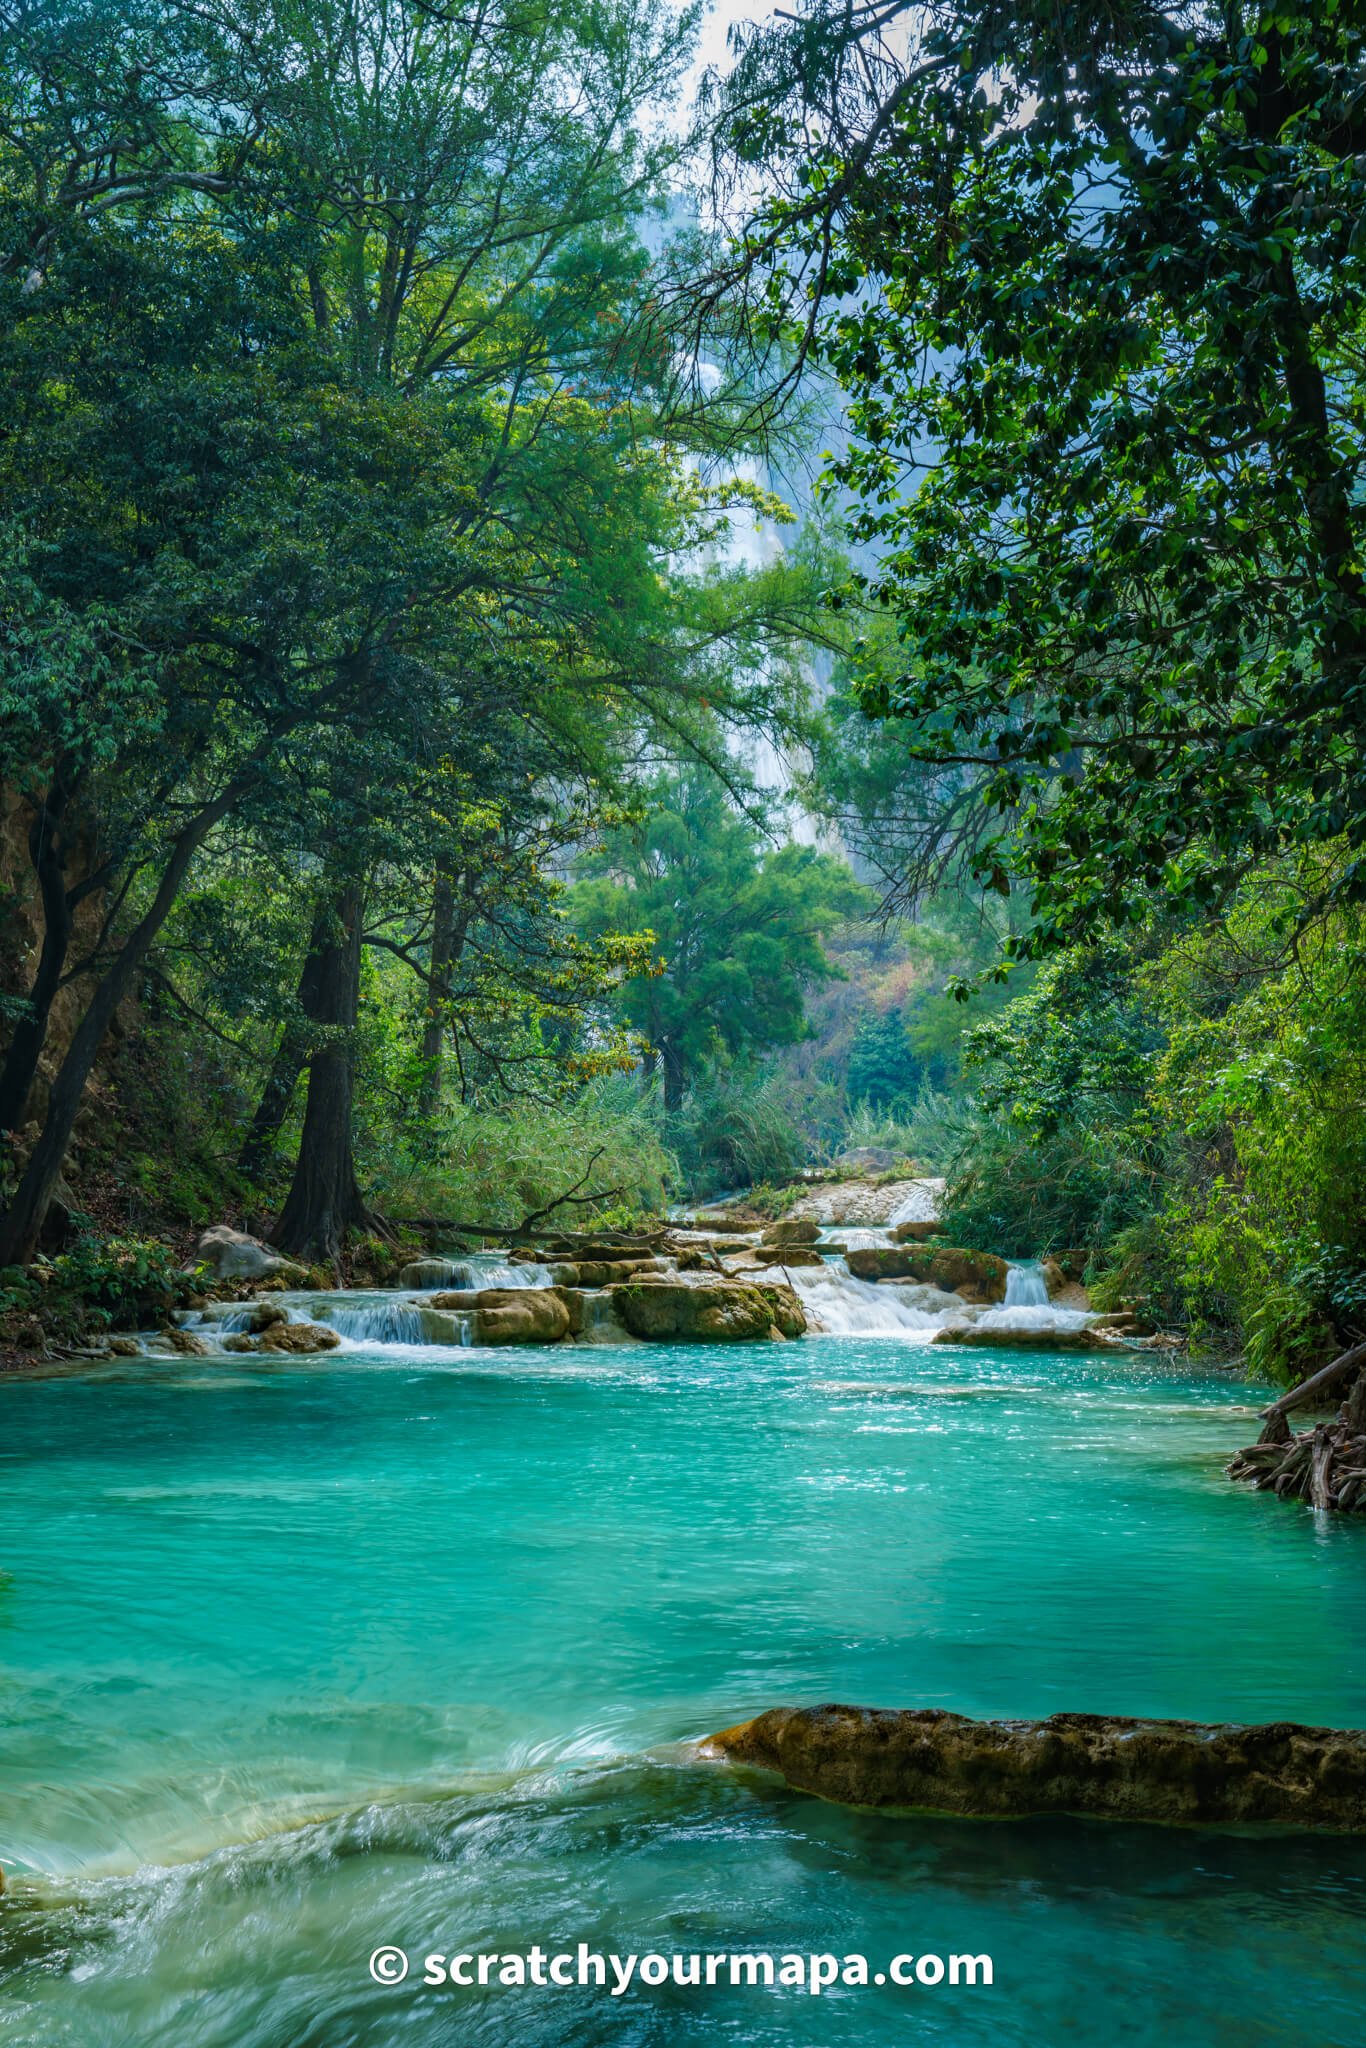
x: 405, y: 1644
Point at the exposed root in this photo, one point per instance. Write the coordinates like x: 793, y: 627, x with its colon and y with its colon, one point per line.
x: 1325, y: 1466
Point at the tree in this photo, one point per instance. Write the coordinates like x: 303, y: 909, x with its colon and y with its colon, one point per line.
x: 1094, y: 283
x: 335, y: 417
x: 738, y: 930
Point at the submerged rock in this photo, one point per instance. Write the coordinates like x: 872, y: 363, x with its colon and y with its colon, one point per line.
x: 977, y: 1276
x: 1177, y: 1771
x: 727, y: 1313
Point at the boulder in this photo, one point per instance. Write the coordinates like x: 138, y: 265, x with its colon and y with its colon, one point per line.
x: 232, y: 1255
x: 728, y: 1312
x: 603, y: 1272
x: 184, y: 1342
x: 520, y: 1315
x: 1063, y: 1282
x: 1186, y: 1772
x: 299, y: 1338
x: 792, y: 1230
x: 434, y: 1272
x: 977, y: 1276
x: 870, y: 1159
x: 916, y: 1233
x: 763, y: 1258
x: 1025, y: 1336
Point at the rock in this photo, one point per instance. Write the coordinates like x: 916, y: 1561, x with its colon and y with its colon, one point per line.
x: 870, y: 1159
x: 763, y: 1259
x: 693, y: 1258
x: 728, y: 1312
x: 184, y: 1342
x: 792, y: 1230
x: 977, y: 1276
x: 1064, y: 1284
x: 1024, y: 1336
x: 302, y: 1338
x: 863, y: 1202
x: 603, y: 1272
x: 520, y: 1315
x: 123, y: 1347
x: 1185, y: 1772
x: 916, y: 1233
x: 233, y: 1255
x: 435, y: 1273
x: 265, y: 1316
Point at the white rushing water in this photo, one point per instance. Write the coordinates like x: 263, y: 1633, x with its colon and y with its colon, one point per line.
x: 1025, y: 1288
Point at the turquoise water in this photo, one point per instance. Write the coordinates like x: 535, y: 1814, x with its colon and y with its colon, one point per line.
x: 300, y: 1658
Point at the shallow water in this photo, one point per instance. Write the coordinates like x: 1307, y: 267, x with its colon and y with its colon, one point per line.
x: 301, y: 1656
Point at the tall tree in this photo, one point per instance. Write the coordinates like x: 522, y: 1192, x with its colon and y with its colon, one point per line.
x: 738, y: 929
x: 1093, y: 280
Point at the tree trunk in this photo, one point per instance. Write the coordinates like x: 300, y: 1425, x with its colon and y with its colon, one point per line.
x: 24, y: 1218
x: 325, y: 1200
x: 290, y: 1054
x: 672, y: 1061
x: 448, y: 943
x: 30, y: 1032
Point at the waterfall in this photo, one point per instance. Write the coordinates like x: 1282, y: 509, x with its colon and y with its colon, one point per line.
x: 377, y: 1322
x: 1025, y: 1288
x: 920, y: 1205
x: 487, y: 1269
x: 845, y: 1307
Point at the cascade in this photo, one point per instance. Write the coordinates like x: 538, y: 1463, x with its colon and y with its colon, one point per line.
x: 1025, y: 1288
x: 376, y: 1322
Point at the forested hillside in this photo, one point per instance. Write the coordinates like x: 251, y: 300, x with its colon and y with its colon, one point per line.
x: 383, y: 395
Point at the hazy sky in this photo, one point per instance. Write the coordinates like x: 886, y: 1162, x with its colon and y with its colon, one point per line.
x: 711, y: 49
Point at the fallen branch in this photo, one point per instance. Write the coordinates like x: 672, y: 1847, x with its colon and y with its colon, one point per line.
x: 1306, y: 1390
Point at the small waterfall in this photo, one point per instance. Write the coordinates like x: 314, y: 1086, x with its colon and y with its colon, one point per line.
x: 1025, y: 1288
x: 377, y: 1322
x: 486, y: 1269
x: 845, y: 1307
x: 920, y: 1205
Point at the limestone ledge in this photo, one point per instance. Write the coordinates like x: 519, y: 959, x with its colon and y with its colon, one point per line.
x: 1188, y: 1772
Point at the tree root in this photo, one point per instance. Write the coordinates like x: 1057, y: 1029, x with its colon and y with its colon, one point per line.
x: 1325, y: 1465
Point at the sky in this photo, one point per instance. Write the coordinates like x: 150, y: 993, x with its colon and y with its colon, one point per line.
x: 711, y: 47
